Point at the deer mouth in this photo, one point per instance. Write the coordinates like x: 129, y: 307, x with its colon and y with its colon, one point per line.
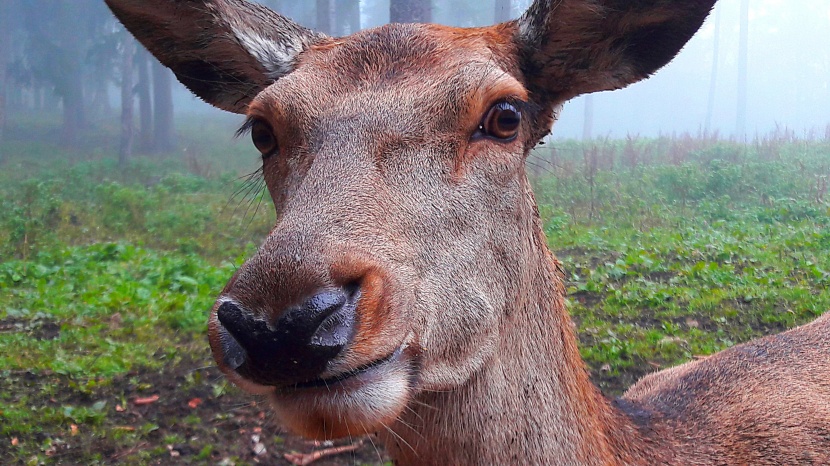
x: 356, y: 375
x: 358, y: 401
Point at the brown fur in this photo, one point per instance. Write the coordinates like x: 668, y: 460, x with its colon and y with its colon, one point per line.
x: 380, y: 180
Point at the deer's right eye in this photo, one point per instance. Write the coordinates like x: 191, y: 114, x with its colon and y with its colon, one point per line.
x: 263, y: 137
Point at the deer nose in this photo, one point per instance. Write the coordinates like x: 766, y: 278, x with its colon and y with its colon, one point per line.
x: 297, y: 347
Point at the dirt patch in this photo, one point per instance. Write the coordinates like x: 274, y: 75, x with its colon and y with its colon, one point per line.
x: 38, y: 328
x: 589, y: 299
x: 184, y: 414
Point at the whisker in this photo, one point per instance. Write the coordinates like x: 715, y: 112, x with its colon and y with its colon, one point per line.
x: 396, y: 435
x: 374, y: 445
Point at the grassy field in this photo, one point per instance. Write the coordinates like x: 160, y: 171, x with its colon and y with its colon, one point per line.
x: 674, y: 248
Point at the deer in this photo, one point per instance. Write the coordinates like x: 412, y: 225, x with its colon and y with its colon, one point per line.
x: 407, y: 290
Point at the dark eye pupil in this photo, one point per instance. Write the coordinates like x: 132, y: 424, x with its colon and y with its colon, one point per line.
x: 263, y: 138
x: 502, y: 121
x: 508, y: 119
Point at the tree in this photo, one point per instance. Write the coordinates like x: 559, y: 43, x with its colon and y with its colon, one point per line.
x: 710, y: 109
x: 588, y: 123
x: 102, y: 60
x: 59, y: 37
x: 5, y: 52
x: 163, y: 108
x: 347, y: 17
x: 410, y: 11
x: 145, y: 107
x: 127, y: 129
x: 324, y: 16
x: 743, y: 63
x: 503, y: 11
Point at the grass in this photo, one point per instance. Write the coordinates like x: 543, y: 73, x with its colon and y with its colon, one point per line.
x: 678, y: 248
x: 674, y: 248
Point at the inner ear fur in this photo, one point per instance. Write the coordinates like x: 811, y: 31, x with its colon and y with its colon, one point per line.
x: 573, y: 47
x: 224, y: 51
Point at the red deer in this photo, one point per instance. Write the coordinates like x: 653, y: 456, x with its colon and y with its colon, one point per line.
x: 407, y: 289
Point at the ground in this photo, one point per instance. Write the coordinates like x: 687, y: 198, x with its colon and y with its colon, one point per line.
x: 183, y: 414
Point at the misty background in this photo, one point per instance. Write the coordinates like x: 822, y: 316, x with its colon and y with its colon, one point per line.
x: 756, y: 67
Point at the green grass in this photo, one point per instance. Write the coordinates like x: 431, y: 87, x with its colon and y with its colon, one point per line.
x: 116, y: 307
x: 673, y: 248
x: 704, y: 246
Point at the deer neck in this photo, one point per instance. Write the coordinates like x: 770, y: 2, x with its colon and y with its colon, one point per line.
x: 533, y: 403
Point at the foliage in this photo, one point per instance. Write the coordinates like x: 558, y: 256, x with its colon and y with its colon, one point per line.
x: 695, y: 247
x: 673, y: 249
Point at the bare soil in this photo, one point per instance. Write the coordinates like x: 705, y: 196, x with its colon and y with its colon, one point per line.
x: 172, y: 416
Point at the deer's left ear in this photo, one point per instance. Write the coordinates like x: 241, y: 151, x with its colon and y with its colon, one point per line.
x: 573, y: 47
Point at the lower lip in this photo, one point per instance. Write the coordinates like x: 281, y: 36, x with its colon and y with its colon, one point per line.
x: 353, y: 374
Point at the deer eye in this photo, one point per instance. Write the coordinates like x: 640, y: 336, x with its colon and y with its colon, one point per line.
x: 501, y: 122
x: 263, y: 137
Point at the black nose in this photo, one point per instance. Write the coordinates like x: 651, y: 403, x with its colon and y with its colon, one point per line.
x: 298, y: 347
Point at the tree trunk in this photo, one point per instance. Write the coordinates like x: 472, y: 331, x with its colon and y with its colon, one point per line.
x: 347, y: 17
x: 5, y: 51
x: 71, y: 85
x: 713, y: 81
x: 504, y: 11
x: 74, y: 116
x: 588, y: 122
x: 163, y: 108
x: 324, y: 16
x: 743, y: 62
x: 410, y: 11
x: 145, y: 107
x: 99, y: 107
x: 127, y: 129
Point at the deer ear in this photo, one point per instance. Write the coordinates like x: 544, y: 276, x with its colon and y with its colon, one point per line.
x: 573, y: 47
x: 224, y: 51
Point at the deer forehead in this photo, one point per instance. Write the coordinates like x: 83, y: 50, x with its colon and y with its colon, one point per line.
x: 412, y: 77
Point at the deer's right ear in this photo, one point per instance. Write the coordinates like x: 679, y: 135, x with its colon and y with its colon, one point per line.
x: 224, y: 51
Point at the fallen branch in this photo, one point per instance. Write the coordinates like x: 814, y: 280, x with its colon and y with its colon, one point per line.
x: 303, y: 459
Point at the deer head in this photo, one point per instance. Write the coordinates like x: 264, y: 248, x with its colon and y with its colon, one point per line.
x: 407, y: 243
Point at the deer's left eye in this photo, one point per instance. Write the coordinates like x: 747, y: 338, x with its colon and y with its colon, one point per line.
x: 501, y: 122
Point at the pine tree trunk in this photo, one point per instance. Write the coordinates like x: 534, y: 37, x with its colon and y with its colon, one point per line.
x: 713, y: 80
x: 127, y: 129
x: 145, y: 106
x: 588, y: 122
x: 74, y: 116
x: 324, y: 16
x: 410, y: 11
x: 743, y: 63
x: 163, y: 108
x: 5, y: 51
x: 504, y: 11
x: 71, y: 87
x: 347, y: 17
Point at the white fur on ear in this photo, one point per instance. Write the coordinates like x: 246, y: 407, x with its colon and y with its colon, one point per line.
x: 278, y: 58
x: 224, y: 51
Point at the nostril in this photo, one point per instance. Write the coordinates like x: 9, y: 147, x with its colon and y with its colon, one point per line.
x: 238, y: 322
x: 336, y: 330
x: 319, y: 307
x: 295, y: 348
x: 233, y: 353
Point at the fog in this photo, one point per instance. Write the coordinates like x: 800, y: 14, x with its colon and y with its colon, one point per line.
x: 787, y: 82
x: 788, y: 74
